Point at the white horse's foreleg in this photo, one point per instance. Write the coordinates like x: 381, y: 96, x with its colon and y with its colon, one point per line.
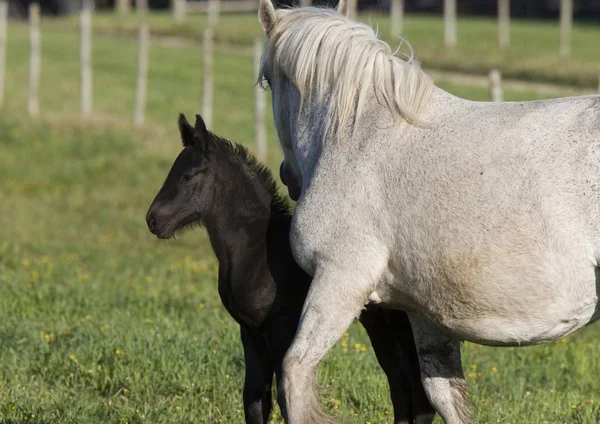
x: 333, y: 302
x: 441, y: 371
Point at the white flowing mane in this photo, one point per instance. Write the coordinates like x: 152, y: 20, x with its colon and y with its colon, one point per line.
x: 331, y: 58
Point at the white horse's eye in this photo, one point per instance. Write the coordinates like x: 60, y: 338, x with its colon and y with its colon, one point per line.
x: 266, y: 82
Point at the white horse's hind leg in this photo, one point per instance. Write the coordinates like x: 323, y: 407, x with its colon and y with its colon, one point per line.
x: 329, y: 310
x: 441, y: 371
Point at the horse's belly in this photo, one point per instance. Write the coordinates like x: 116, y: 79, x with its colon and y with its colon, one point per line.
x: 522, y: 331
x: 501, y: 316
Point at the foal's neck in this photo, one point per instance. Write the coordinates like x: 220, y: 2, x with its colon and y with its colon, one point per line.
x: 237, y: 225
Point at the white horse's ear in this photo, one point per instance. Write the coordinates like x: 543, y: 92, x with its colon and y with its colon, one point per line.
x: 342, y: 7
x: 267, y: 16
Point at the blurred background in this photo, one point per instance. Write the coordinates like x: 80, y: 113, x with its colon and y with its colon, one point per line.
x: 535, y: 9
x: 99, y: 321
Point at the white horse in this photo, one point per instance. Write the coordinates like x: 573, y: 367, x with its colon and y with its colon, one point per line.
x: 482, y: 220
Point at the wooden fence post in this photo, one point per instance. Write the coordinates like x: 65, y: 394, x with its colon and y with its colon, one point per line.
x: 86, y: 58
x: 566, y: 24
x: 450, y: 23
x: 496, y: 86
x: 305, y: 3
x: 207, y: 85
x: 123, y: 6
x: 141, y: 6
x: 34, y: 60
x: 504, y: 23
x: 142, y: 78
x: 214, y: 8
x: 397, y: 12
x: 178, y: 10
x: 352, y: 9
x: 3, y: 34
x: 260, y: 106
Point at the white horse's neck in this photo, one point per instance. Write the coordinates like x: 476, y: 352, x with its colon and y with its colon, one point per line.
x: 440, y: 104
x: 373, y: 127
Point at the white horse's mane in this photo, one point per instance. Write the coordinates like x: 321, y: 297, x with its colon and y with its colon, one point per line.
x: 330, y: 58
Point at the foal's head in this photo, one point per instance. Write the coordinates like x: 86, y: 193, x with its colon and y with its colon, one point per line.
x: 212, y: 179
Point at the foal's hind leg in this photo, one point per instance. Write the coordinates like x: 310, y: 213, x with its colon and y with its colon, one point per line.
x: 441, y: 371
x: 394, y: 346
x: 329, y: 310
x: 259, y: 377
x: 400, y: 327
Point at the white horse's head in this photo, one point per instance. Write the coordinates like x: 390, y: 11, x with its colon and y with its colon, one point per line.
x: 287, y: 98
x: 323, y: 70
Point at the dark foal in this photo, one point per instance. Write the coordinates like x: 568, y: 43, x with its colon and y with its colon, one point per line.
x: 220, y: 185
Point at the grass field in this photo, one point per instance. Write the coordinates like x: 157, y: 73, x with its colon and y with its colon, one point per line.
x: 102, y: 323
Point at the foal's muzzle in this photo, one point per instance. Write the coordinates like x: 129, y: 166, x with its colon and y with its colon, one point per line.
x: 153, y: 224
x: 151, y: 221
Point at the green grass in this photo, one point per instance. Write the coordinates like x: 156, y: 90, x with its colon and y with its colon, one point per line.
x: 102, y: 323
x: 533, y: 54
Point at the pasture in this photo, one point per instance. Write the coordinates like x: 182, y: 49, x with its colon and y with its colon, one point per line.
x: 101, y: 322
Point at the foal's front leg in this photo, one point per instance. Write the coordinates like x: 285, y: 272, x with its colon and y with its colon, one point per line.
x: 259, y: 377
x: 334, y: 300
x: 441, y: 371
x: 279, y: 334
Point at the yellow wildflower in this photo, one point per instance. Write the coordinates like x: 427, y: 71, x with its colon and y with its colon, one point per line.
x: 117, y: 352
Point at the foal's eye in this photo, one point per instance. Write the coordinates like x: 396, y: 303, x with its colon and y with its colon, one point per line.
x: 187, y: 177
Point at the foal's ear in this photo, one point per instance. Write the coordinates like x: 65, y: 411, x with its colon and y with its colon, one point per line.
x: 267, y: 16
x: 342, y: 7
x: 200, y: 127
x: 186, y: 131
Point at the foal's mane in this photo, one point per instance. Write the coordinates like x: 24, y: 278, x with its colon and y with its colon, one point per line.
x: 254, y: 169
x: 331, y: 58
